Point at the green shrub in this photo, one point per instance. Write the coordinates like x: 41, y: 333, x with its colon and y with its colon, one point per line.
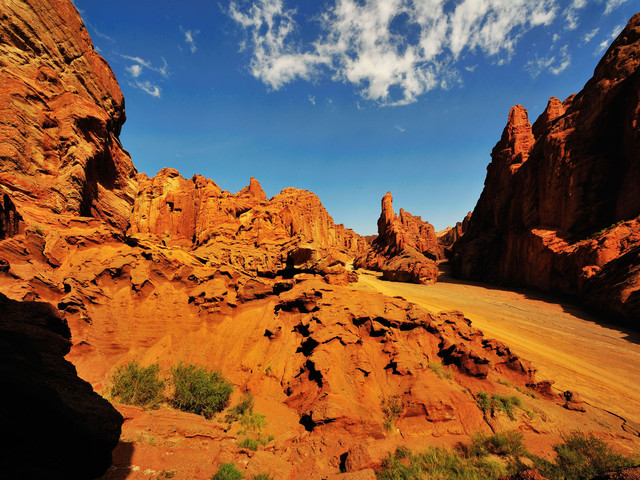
x: 440, y: 370
x: 243, y: 407
x: 392, y: 408
x: 582, y: 456
x: 227, y: 471
x: 262, y: 476
x: 500, y: 403
x: 198, y: 390
x: 249, y: 443
x: 136, y: 385
x: 500, y: 443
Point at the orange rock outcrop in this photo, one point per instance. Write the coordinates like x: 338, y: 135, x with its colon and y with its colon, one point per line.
x: 405, y: 249
x: 167, y: 269
x: 561, y: 204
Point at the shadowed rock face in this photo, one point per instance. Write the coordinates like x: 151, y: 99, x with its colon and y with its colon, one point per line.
x: 57, y: 425
x: 61, y: 111
x: 405, y: 249
x: 561, y: 198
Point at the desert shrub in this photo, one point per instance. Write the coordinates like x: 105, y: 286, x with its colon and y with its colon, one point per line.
x: 439, y: 464
x: 243, y: 407
x: 136, y: 385
x: 227, y: 471
x: 402, y: 452
x: 392, y: 407
x: 198, y: 390
x: 249, y: 443
x: 582, y: 456
x: 500, y: 443
x: 440, y: 370
x: 500, y: 403
x: 262, y: 476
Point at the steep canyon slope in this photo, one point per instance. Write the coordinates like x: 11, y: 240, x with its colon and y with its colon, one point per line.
x: 168, y: 269
x: 561, y: 202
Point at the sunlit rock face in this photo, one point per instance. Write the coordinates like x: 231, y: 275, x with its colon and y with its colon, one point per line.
x: 561, y: 198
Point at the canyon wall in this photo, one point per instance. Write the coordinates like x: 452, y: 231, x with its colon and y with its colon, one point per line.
x: 559, y: 210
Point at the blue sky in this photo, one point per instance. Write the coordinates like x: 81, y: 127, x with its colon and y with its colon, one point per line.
x: 346, y: 98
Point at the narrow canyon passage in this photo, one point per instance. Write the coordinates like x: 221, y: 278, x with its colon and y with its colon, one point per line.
x: 566, y: 344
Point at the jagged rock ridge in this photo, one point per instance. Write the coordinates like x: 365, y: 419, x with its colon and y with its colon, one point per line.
x: 561, y: 201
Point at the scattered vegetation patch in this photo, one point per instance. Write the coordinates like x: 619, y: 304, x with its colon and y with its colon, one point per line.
x: 136, y: 385
x: 527, y: 392
x: 262, y: 476
x: 491, y: 405
x: 252, y: 423
x: 198, y: 390
x: 392, y: 408
x: 440, y: 370
x: 488, y: 457
x: 227, y: 471
x: 583, y: 456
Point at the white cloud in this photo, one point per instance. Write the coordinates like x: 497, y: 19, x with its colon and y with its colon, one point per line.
x: 393, y: 51
x: 312, y: 99
x: 135, y: 70
x: 471, y: 68
x: 189, y: 38
x: 141, y: 63
x: 589, y: 36
x: 554, y: 64
x: 612, y: 5
x: 571, y: 13
x: 607, y: 41
x: 148, y: 87
x: 400, y: 129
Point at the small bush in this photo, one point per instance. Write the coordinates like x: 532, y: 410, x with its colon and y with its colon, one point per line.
x: 262, y: 476
x: 392, y: 408
x: 582, y: 456
x: 500, y: 403
x: 227, y: 471
x: 243, y: 407
x: 440, y: 370
x: 500, y: 443
x: 136, y: 385
x: 249, y: 444
x: 198, y: 390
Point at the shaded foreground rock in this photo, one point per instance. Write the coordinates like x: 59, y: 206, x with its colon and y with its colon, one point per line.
x: 54, y: 421
x: 405, y: 249
x: 560, y: 207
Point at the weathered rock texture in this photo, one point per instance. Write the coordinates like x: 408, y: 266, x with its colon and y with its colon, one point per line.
x: 245, y: 229
x: 450, y: 235
x: 167, y: 269
x: 57, y: 425
x: 61, y: 111
x: 561, y: 201
x: 406, y: 248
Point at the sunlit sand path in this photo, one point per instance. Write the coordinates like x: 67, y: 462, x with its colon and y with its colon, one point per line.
x: 566, y: 344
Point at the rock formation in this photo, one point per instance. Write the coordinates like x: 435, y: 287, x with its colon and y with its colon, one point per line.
x: 450, y: 235
x: 559, y: 210
x: 167, y: 269
x: 406, y: 248
x: 61, y: 111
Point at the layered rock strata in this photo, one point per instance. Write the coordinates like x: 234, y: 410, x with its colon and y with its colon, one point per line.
x: 560, y: 207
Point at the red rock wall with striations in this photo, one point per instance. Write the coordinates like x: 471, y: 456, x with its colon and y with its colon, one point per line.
x: 561, y: 198
x: 61, y: 111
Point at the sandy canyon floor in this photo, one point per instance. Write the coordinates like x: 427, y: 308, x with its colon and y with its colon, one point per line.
x: 578, y: 350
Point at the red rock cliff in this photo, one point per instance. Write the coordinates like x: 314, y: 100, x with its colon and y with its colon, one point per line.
x: 61, y: 111
x: 561, y: 198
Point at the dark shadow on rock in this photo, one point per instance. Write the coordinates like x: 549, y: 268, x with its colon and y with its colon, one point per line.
x: 121, y: 468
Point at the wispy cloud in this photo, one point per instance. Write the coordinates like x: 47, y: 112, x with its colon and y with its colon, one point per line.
x: 607, y: 41
x: 571, y: 13
x: 589, y: 36
x: 612, y: 5
x: 400, y: 129
x: 554, y: 64
x: 190, y: 38
x: 312, y: 99
x: 392, y: 51
x: 164, y: 70
x: 137, y: 70
x: 148, y: 87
